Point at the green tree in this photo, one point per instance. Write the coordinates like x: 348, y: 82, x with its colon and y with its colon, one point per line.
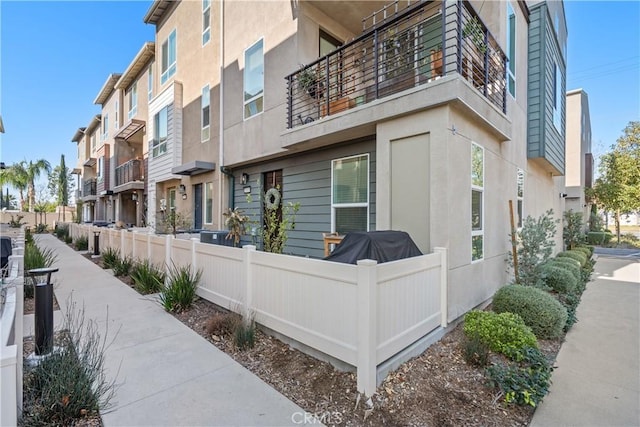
x: 617, y: 189
x: 33, y: 170
x: 16, y: 176
x: 61, y: 185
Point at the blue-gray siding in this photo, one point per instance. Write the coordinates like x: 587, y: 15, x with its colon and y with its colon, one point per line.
x: 306, y: 179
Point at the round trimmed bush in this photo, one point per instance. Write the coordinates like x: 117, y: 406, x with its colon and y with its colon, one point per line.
x: 584, y: 250
x: 589, y: 247
x: 504, y: 333
x: 578, y: 256
x: 570, y: 264
x: 558, y: 278
x: 540, y: 311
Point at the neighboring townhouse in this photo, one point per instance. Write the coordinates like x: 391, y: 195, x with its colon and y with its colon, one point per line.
x: 183, y: 165
x: 131, y: 145
x: 578, y: 157
x: 415, y: 118
x: 83, y: 153
x: 87, y: 140
x: 110, y: 100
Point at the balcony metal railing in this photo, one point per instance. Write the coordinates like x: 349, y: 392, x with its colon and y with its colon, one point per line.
x: 130, y: 171
x: 89, y: 187
x: 419, y: 45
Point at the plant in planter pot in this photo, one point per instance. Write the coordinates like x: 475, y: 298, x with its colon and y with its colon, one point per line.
x: 310, y: 82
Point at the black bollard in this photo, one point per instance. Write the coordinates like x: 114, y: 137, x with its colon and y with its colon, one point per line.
x: 44, y: 310
x: 96, y: 243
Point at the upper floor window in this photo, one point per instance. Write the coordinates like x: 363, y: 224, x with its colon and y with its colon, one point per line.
x: 350, y: 194
x: 100, y: 171
x: 168, y: 57
x: 520, y: 196
x: 558, y: 94
x: 511, y: 50
x: 105, y: 127
x: 206, y: 21
x: 116, y: 123
x: 160, y: 132
x: 205, y: 115
x: 133, y: 100
x: 93, y: 142
x: 253, y: 79
x: 477, y: 202
x: 150, y: 82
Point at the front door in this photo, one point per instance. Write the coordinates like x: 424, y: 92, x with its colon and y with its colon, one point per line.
x: 197, y: 206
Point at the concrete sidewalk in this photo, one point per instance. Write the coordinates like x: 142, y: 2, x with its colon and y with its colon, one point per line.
x: 597, y: 379
x: 166, y: 374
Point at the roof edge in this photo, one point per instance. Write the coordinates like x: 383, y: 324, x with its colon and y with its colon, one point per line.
x: 107, y: 88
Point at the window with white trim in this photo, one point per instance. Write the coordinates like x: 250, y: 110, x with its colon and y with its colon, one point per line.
x: 557, y: 98
x: 206, y: 21
x: 520, y: 196
x: 208, y: 203
x: 100, y: 171
x: 150, y: 82
x: 253, y: 79
x: 205, y: 114
x: 168, y: 57
x: 133, y: 100
x: 172, y: 199
x: 93, y: 142
x: 116, y: 123
x: 105, y: 127
x: 477, y: 202
x: 160, y: 132
x: 511, y: 50
x: 350, y: 194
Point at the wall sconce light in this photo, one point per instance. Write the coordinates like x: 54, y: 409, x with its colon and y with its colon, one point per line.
x: 182, y: 189
x: 245, y: 178
x: 563, y: 195
x: 184, y: 196
x: 246, y: 189
x: 134, y: 196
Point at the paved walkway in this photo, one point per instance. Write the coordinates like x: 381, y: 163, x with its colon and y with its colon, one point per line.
x: 167, y: 374
x: 597, y: 379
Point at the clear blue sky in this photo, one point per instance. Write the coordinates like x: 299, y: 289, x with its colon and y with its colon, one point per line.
x: 55, y: 57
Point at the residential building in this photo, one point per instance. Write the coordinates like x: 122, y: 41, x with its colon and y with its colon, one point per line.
x: 110, y: 100
x: 579, y: 160
x: 182, y: 181
x: 130, y: 151
x: 86, y: 139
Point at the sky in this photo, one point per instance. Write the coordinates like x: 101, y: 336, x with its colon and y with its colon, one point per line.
x: 55, y: 56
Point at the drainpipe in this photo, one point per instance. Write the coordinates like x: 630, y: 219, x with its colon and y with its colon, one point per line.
x: 223, y: 169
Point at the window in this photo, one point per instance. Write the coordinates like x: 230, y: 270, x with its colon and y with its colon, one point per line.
x: 160, y: 127
x: 168, y: 57
x: 520, y: 196
x: 253, y: 80
x: 511, y: 50
x: 116, y: 125
x: 477, y: 202
x: 206, y: 21
x: 150, y: 82
x: 100, y: 171
x: 93, y: 142
x: 105, y: 127
x: 208, y: 203
x: 172, y: 199
x: 557, y: 98
x: 133, y: 100
x: 205, y: 115
x: 350, y: 194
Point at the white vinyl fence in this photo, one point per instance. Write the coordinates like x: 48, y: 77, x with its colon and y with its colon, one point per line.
x: 360, y: 314
x: 11, y: 326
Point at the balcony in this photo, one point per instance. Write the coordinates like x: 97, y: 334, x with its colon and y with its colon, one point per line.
x: 130, y: 175
x: 419, y: 45
x: 89, y: 188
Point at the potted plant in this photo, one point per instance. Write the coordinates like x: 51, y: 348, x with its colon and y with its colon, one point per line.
x: 309, y: 81
x: 473, y: 29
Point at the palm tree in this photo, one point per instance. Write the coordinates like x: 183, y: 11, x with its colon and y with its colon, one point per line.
x: 33, y: 171
x: 16, y: 176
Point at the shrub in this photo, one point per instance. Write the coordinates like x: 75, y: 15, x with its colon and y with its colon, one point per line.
x: 584, y: 250
x: 222, y: 324
x: 504, y: 333
x: 572, y: 230
x: 568, y: 263
x: 244, y: 335
x: 578, y: 256
x: 62, y: 232
x: 41, y: 228
x: 570, y: 303
x: 68, y: 239
x: 180, y: 291
x: 558, y: 278
x: 475, y: 352
x: 589, y: 247
x: 16, y: 223
x: 526, y: 383
x: 540, y: 311
x: 34, y: 257
x: 123, y: 266
x: 147, y: 278
x: 82, y: 243
x: 599, y: 237
x: 70, y: 383
x: 110, y: 257
x: 28, y: 237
